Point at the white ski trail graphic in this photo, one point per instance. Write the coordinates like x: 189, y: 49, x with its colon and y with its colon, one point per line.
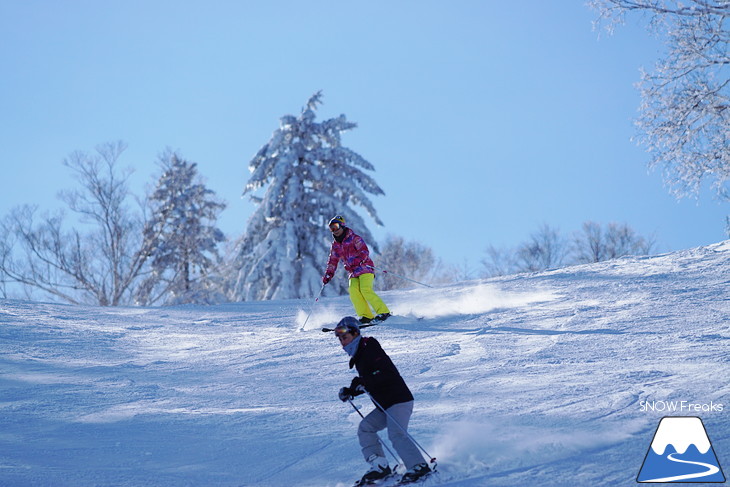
x: 711, y: 470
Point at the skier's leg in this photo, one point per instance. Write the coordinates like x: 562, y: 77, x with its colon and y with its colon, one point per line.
x: 358, y: 300
x: 366, y: 289
x: 406, y: 449
x: 367, y: 434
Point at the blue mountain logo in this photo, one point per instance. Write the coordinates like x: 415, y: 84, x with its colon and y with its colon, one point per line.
x: 680, y: 452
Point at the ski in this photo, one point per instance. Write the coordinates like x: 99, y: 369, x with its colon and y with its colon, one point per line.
x: 394, y: 480
x: 384, y: 482
x: 373, y: 322
x: 403, y: 320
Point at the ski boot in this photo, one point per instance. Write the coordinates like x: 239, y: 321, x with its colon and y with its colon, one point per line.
x: 379, y: 470
x: 415, y: 474
x: 381, y: 317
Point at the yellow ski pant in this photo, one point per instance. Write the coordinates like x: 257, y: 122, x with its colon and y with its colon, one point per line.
x: 362, y: 294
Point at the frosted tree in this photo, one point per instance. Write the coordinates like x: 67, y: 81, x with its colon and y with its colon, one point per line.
x: 685, y: 113
x: 596, y: 244
x: 299, y: 180
x: 499, y: 261
x: 545, y: 250
x: 183, y: 239
x: 410, y: 259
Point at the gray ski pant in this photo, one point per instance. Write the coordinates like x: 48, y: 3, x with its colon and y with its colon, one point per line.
x: 376, y: 421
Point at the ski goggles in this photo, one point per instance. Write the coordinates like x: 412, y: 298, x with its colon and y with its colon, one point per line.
x: 341, y: 331
x: 334, y: 226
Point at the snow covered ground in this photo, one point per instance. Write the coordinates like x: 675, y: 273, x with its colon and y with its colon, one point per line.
x: 539, y: 379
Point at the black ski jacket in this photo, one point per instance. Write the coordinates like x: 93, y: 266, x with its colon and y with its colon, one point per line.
x: 378, y: 374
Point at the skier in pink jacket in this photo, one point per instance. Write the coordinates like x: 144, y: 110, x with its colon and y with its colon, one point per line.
x: 353, y: 251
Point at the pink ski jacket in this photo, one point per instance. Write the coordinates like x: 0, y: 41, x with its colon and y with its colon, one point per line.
x: 353, y: 251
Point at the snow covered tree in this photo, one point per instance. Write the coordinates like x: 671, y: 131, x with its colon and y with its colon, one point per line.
x: 309, y: 178
x: 182, y: 236
x: 685, y: 113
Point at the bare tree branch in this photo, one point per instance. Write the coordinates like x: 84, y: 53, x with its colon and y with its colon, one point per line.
x: 99, y: 266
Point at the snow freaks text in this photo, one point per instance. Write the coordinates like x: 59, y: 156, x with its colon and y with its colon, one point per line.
x: 680, y: 407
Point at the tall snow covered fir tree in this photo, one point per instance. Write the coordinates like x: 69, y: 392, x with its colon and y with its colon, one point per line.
x: 309, y: 178
x: 183, y: 236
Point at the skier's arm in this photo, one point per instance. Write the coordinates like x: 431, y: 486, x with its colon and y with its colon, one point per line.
x: 332, y: 262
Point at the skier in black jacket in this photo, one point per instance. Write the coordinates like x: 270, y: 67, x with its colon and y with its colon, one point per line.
x: 378, y: 376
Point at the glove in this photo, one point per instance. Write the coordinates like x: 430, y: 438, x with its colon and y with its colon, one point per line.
x: 356, y: 386
x: 326, y: 278
x: 345, y: 394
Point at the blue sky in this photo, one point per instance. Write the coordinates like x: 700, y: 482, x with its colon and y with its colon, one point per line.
x: 484, y: 120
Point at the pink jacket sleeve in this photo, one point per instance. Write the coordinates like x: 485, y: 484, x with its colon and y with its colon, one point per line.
x: 332, y: 262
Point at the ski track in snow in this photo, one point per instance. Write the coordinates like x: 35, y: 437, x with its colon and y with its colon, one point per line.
x: 535, y: 379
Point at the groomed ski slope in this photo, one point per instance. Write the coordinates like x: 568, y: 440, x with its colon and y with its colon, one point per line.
x: 532, y: 379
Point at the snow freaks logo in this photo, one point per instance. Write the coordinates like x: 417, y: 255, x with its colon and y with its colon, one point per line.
x: 680, y: 452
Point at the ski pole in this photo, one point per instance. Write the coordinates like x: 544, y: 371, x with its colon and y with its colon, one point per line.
x: 312, y: 308
x: 381, y: 441
x: 396, y: 275
x: 432, y: 459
